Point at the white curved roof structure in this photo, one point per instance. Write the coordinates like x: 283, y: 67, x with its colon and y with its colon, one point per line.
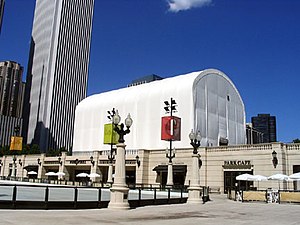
x: 207, y: 101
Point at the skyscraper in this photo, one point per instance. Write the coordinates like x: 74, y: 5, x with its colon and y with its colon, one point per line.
x: 11, y: 89
x: 253, y: 136
x: 2, y: 3
x: 267, y: 125
x: 57, y: 70
x: 11, y: 99
x: 145, y: 79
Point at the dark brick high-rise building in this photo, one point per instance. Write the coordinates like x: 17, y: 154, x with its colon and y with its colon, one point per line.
x: 11, y: 89
x: 266, y: 124
x: 11, y: 100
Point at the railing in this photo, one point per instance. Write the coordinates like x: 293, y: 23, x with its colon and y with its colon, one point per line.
x: 240, y: 147
x: 293, y: 147
x: 28, y: 196
x: 52, y: 181
x: 128, y: 152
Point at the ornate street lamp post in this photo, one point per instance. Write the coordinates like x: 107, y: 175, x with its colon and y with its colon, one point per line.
x: 194, y: 188
x: 170, y: 107
x: 119, y: 189
x: 14, y: 149
x: 111, y: 155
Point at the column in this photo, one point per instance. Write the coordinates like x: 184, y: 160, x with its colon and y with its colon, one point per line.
x: 194, y: 189
x: 119, y: 189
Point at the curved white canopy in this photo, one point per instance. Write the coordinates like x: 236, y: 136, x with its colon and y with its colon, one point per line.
x: 207, y: 102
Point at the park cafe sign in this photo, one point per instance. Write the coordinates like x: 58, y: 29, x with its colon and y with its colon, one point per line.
x: 237, y: 164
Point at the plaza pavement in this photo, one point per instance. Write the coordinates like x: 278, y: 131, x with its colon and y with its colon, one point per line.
x: 218, y: 211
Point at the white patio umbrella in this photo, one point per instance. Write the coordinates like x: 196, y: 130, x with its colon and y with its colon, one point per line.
x: 32, y: 173
x: 295, y: 176
x: 60, y: 174
x: 93, y: 175
x: 82, y: 175
x: 245, y: 176
x: 259, y: 178
x: 279, y: 177
x: 50, y: 174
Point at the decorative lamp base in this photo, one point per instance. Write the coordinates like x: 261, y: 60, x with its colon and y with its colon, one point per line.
x: 194, y: 195
x: 119, y: 198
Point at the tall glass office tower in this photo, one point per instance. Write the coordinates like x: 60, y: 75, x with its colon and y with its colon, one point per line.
x: 57, y: 70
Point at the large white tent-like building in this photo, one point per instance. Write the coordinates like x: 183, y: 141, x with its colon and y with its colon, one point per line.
x: 207, y: 102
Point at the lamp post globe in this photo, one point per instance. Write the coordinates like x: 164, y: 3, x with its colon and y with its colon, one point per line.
x: 195, y: 140
x: 198, y: 137
x: 192, y: 135
x: 128, y: 121
x: 116, y: 118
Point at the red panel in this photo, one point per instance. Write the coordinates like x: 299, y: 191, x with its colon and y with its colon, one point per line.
x: 170, y: 128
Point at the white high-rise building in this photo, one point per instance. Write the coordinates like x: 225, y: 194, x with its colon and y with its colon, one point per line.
x: 57, y: 70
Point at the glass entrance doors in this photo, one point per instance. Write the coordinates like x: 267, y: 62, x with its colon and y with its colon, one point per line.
x: 230, y: 183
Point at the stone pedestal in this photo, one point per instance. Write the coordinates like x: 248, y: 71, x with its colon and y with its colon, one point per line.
x: 119, y: 189
x: 170, y: 174
x: 194, y: 189
x: 118, y: 198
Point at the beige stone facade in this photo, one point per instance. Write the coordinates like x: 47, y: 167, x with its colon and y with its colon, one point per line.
x: 220, y: 165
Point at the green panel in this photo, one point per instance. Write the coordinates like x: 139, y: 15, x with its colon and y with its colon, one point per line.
x: 110, y: 136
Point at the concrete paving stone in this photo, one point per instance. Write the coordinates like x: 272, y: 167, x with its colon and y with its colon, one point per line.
x: 218, y: 211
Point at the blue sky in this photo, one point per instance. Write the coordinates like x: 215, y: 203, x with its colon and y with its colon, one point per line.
x: 255, y: 42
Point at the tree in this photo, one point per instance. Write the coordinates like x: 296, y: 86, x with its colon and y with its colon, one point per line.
x: 25, y: 149
x: 296, y: 140
x: 53, y: 152
x: 62, y: 149
x: 35, y: 149
x: 5, y: 150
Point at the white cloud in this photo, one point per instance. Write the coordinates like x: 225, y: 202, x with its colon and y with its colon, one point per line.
x: 178, y: 5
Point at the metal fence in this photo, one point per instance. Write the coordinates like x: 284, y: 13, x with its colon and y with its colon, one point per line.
x: 41, y: 196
